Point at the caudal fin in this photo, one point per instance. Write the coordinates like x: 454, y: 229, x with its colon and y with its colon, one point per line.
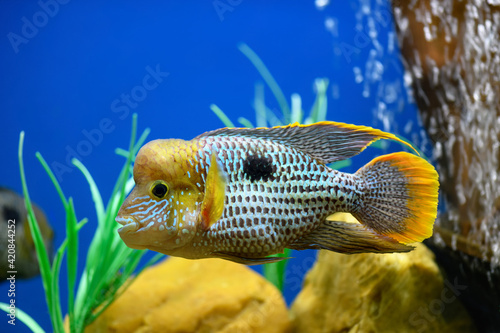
x: 401, y: 197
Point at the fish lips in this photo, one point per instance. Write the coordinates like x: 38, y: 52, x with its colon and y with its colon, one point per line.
x: 139, y: 236
x: 129, y: 231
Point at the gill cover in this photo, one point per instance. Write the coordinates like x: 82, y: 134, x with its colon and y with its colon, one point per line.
x: 215, y: 192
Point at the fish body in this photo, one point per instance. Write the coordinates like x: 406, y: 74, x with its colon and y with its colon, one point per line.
x: 244, y: 194
x: 15, y: 235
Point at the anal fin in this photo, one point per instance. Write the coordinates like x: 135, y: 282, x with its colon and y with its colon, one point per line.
x: 247, y: 261
x: 346, y: 237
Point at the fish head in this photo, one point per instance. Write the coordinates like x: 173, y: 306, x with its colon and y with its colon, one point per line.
x: 162, y: 210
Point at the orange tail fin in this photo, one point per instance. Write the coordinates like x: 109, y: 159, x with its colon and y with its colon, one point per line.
x: 401, y: 197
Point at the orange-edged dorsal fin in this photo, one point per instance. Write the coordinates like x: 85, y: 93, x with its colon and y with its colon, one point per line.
x: 215, y: 192
x: 326, y: 141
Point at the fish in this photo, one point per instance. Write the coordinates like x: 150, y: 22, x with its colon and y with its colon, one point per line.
x: 17, y: 249
x: 244, y: 194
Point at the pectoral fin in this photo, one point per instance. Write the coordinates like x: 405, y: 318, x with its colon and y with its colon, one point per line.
x: 215, y: 193
x: 248, y: 261
x: 346, y: 237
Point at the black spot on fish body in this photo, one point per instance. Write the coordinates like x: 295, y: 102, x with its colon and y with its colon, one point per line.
x: 258, y: 168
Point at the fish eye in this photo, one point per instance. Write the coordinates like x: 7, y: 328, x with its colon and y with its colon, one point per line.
x: 159, y: 189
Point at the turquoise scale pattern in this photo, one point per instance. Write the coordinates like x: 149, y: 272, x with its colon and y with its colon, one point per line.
x: 262, y: 216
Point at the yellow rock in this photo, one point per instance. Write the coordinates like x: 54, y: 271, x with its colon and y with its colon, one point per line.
x: 401, y: 292
x: 208, y: 295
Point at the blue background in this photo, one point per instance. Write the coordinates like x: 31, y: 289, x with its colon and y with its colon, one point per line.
x: 64, y: 77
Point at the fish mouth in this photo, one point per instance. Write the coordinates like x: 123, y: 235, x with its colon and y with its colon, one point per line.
x: 128, y: 232
x: 133, y: 233
x: 129, y: 224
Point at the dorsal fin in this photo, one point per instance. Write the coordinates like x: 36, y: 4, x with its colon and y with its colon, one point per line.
x: 326, y: 141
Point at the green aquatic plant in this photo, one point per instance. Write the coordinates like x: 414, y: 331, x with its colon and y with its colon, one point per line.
x: 266, y: 117
x: 294, y: 113
x: 110, y: 264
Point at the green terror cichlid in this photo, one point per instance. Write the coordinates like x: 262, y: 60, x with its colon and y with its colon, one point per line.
x: 243, y: 194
